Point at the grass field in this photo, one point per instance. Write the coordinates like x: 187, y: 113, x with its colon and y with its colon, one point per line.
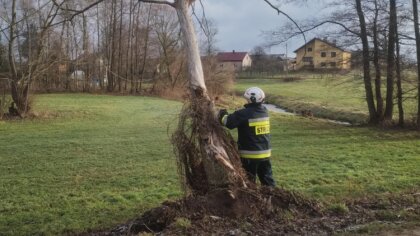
x: 94, y: 161
x: 333, y: 96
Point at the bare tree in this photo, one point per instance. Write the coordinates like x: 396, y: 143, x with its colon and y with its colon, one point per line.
x: 399, y: 79
x: 145, y: 47
x: 366, y: 64
x: 23, y: 71
x: 417, y: 37
x: 391, y: 62
x: 377, y: 64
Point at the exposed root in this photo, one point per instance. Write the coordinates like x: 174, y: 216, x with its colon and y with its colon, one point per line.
x: 207, y: 156
x: 259, y: 205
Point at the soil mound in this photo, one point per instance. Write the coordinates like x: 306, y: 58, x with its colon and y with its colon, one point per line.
x: 268, y: 211
x: 222, y: 211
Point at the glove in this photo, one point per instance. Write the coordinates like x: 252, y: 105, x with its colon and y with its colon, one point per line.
x: 222, y: 113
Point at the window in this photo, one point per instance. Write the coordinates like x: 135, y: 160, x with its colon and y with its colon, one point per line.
x: 333, y: 54
x: 333, y: 64
x: 309, y: 49
x: 323, y: 64
x: 323, y: 54
x: 307, y: 59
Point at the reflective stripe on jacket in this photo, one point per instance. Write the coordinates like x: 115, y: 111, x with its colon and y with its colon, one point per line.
x: 253, y: 125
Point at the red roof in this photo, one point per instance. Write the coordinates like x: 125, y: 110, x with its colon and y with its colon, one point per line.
x: 231, y: 56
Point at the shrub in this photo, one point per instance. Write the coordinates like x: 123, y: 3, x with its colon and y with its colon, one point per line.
x: 217, y: 81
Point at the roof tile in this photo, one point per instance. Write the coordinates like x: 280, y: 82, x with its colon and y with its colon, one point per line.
x: 231, y: 56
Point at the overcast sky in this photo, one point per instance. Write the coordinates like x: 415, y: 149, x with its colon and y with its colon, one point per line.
x: 240, y: 22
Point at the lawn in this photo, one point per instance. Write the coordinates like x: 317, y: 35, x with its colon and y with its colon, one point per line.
x: 93, y: 161
x: 333, y: 96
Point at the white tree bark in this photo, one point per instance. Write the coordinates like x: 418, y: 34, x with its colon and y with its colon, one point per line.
x: 195, y: 68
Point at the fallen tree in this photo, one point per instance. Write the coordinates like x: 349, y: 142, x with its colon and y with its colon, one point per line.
x: 207, y: 156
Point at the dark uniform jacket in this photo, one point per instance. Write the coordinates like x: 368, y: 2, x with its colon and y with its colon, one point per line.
x: 253, y: 126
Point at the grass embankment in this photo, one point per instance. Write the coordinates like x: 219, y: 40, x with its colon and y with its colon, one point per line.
x: 333, y: 96
x: 101, y: 160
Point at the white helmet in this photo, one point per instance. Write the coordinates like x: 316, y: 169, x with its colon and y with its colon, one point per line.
x: 254, y: 95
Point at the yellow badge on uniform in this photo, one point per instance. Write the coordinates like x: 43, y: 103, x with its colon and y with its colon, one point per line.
x: 262, y: 125
x: 263, y: 129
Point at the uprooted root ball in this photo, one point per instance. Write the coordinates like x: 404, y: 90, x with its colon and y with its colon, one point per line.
x: 206, y: 153
x: 225, y: 208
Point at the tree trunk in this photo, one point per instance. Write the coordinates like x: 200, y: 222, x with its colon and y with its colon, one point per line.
x: 86, y: 55
x: 389, y: 108
x: 366, y: 67
x: 378, y: 82
x: 127, y: 56
x: 399, y: 79
x: 12, y: 37
x: 112, y: 35
x: 417, y: 32
x: 12, y: 65
x: 99, y: 65
x: 137, y: 54
x: 218, y: 167
x: 119, y: 47
x: 145, y: 48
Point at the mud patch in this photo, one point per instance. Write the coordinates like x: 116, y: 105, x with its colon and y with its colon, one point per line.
x: 279, y: 212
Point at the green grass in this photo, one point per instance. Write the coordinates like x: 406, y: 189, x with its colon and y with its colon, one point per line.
x: 333, y: 162
x: 99, y: 161
x: 334, y: 96
x: 96, y: 161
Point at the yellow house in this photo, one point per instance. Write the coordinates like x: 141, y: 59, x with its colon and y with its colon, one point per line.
x: 320, y: 54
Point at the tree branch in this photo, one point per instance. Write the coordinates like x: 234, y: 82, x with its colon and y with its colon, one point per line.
x: 76, y: 12
x: 3, y: 30
x: 302, y: 31
x: 159, y: 2
x: 290, y: 18
x: 202, y: 26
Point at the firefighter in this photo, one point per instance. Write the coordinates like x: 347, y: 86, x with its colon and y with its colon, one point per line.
x: 253, y: 124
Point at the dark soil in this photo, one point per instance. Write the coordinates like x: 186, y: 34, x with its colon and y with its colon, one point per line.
x: 266, y: 211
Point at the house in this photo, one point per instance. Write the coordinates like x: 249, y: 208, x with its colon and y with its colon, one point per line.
x: 321, y: 54
x: 234, y: 61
